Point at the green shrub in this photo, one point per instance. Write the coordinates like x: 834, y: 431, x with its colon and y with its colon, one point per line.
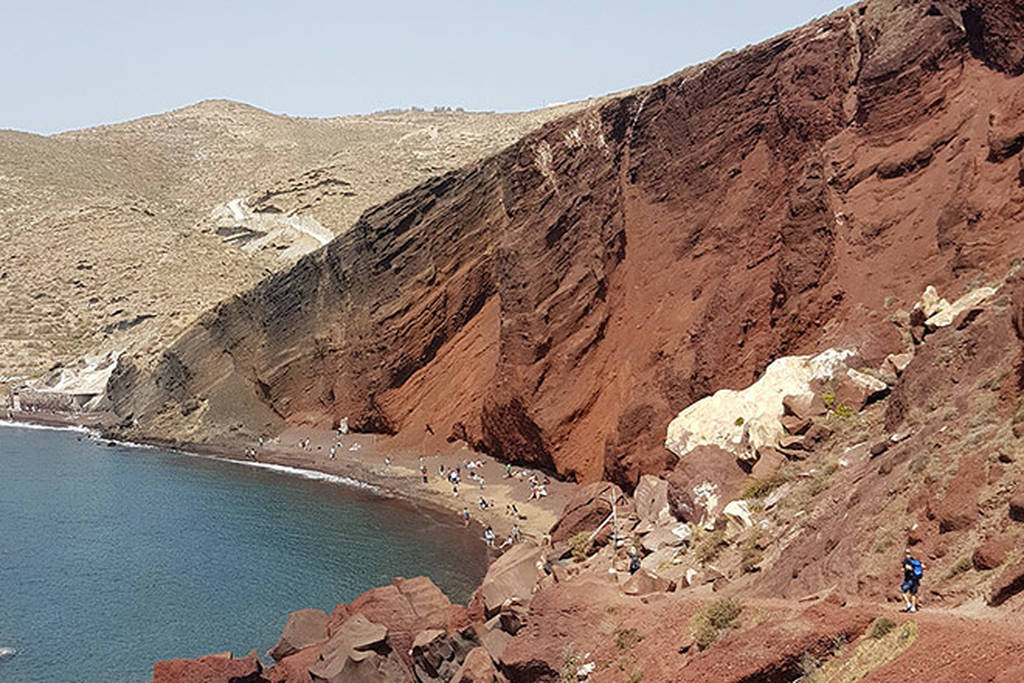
x: 762, y: 488
x: 881, y: 627
x: 962, y: 565
x: 844, y: 411
x: 626, y: 639
x: 704, y: 634
x: 750, y: 557
x: 716, y: 617
x: 722, y: 613
x: 708, y: 545
x: 581, y: 546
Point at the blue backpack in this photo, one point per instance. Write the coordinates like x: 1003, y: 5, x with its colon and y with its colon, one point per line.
x: 915, y: 565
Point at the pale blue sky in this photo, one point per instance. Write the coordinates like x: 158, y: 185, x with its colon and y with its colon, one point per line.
x: 77, y: 64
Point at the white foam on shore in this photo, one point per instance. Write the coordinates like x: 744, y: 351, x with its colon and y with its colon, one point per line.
x: 15, y: 424
x: 309, y: 474
x: 283, y: 469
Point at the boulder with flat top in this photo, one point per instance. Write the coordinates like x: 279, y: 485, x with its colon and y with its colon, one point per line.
x: 304, y: 628
x: 511, y: 577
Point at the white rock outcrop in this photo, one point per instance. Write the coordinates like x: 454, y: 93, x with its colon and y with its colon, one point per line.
x: 945, y: 313
x: 738, y: 511
x: 743, y: 421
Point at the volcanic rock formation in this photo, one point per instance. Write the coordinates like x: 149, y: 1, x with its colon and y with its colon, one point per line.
x: 558, y: 303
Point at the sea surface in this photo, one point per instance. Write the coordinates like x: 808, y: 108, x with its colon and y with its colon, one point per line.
x: 113, y: 557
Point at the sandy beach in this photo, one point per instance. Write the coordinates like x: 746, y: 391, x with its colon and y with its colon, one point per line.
x: 390, y: 466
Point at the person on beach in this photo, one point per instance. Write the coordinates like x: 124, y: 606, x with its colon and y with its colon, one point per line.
x: 489, y: 536
x: 508, y: 470
x: 465, y: 516
x: 332, y: 452
x: 423, y: 472
x: 516, y: 534
x: 480, y: 480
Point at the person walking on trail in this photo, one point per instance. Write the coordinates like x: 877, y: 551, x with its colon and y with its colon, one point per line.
x: 465, y: 516
x: 913, y: 570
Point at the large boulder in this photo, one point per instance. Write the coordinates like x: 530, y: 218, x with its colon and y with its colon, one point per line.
x: 644, y: 583
x: 437, y: 654
x: 511, y: 577
x: 740, y: 422
x: 803, y: 406
x: 359, y: 653
x: 1017, y: 504
x: 589, y: 506
x: 1009, y: 583
x: 294, y: 668
x: 991, y: 553
x: 406, y: 607
x: 944, y: 313
x: 701, y: 484
x: 304, y: 628
x: 493, y: 638
x: 651, y: 499
x: 670, y: 535
x: 477, y: 668
x: 663, y: 557
x: 210, y: 668
x: 855, y: 389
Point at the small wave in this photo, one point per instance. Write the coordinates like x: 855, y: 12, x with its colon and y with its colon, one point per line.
x: 15, y: 424
x: 311, y: 474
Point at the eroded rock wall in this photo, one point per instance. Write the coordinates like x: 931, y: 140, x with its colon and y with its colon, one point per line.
x: 559, y: 303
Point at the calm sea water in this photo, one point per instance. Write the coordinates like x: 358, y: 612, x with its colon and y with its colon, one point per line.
x: 112, y: 558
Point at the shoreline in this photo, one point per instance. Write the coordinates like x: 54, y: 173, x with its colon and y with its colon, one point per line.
x: 386, y: 472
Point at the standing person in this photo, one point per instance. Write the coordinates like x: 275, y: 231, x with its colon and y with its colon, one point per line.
x: 465, y: 516
x: 489, y: 536
x: 516, y: 534
x: 634, y: 560
x: 913, y: 570
x: 423, y: 472
x: 508, y: 470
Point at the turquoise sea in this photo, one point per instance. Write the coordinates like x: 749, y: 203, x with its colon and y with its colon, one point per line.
x: 113, y: 557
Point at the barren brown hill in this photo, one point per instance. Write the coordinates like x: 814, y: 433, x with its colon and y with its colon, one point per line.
x: 117, y: 237
x: 560, y: 302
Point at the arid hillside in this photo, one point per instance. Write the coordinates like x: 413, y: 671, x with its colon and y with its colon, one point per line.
x: 558, y: 303
x: 115, y: 238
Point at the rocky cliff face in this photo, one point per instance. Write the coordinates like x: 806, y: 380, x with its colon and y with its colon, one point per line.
x: 558, y: 303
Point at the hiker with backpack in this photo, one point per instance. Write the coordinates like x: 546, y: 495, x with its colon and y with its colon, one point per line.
x: 913, y: 570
